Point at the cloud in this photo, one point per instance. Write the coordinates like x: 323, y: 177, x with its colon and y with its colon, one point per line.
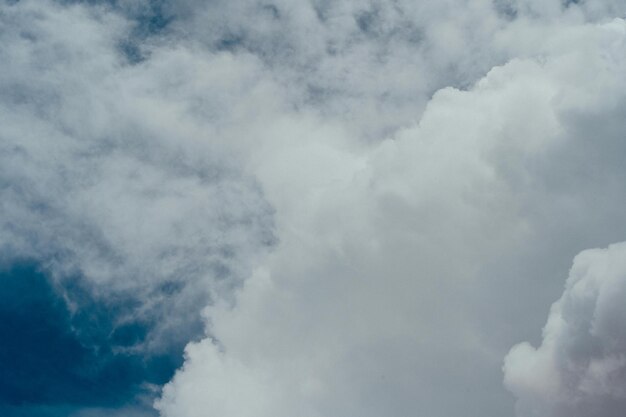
x: 370, y: 202
x: 580, y: 367
x: 101, y: 175
x: 109, y: 185
x: 390, y: 292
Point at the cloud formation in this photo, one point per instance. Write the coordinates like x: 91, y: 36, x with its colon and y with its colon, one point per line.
x: 580, y: 367
x: 369, y: 202
x: 110, y: 187
x: 101, y: 174
x: 372, y: 303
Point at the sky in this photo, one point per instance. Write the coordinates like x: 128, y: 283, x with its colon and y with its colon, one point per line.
x: 312, y: 208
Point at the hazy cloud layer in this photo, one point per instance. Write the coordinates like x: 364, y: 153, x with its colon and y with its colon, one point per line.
x: 370, y: 202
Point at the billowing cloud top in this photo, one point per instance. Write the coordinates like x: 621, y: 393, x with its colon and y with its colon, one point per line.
x: 340, y: 208
x: 580, y: 367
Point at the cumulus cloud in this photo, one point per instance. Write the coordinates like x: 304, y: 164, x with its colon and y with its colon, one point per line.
x: 370, y: 202
x: 373, y: 64
x: 580, y: 367
x: 372, y: 303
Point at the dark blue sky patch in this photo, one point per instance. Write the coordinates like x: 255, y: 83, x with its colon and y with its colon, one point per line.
x: 149, y: 19
x: 153, y: 19
x: 35, y: 411
x: 36, y: 344
x: 51, y: 358
x: 72, y: 411
x: 230, y: 42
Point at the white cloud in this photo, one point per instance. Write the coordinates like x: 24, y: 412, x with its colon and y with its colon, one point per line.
x: 369, y: 305
x: 430, y: 168
x: 580, y: 367
x: 109, y: 171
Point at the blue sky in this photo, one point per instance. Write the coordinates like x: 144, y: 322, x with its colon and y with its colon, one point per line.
x: 62, y: 360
